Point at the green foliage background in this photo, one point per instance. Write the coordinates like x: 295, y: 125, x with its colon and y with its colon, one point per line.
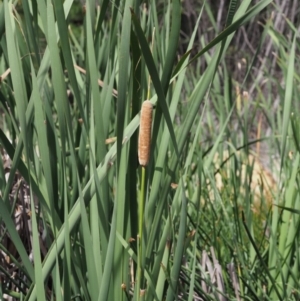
x: 214, y: 216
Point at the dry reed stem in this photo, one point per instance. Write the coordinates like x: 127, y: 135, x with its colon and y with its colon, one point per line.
x: 100, y: 82
x: 145, y: 133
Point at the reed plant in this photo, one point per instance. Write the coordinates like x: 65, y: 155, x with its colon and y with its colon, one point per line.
x: 198, y: 207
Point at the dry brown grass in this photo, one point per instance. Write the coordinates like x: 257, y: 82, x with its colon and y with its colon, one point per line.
x: 262, y: 183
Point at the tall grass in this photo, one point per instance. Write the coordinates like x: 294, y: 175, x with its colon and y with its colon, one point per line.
x: 220, y: 220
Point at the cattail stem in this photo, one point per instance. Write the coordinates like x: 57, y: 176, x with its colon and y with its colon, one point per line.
x: 140, y: 267
x: 144, y: 155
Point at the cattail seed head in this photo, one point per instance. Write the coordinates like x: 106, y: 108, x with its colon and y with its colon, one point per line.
x: 145, y: 133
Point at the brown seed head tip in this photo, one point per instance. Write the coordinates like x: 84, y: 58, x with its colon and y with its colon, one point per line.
x: 131, y: 239
x: 123, y: 286
x: 142, y: 292
x: 192, y: 233
x: 145, y: 133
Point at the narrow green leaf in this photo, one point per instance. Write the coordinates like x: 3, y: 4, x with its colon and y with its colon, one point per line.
x: 155, y: 78
x: 288, y: 97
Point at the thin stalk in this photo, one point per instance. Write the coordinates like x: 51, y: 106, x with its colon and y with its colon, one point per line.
x: 140, y: 236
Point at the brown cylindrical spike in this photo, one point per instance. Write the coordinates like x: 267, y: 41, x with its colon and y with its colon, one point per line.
x: 145, y: 133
